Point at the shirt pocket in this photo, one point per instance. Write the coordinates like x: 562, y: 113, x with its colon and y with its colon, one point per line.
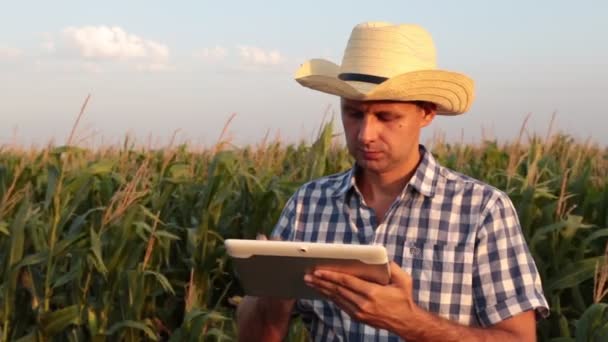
x: 441, y: 276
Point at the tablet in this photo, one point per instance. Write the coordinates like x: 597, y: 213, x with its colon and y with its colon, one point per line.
x: 269, y: 268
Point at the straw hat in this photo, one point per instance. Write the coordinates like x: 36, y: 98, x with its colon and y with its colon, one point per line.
x: 390, y: 62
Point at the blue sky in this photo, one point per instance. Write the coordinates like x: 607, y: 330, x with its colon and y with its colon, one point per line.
x: 189, y: 65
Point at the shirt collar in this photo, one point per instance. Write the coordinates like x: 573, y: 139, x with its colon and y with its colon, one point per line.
x: 423, y: 181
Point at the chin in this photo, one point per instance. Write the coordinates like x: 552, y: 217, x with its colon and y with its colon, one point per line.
x: 372, y: 165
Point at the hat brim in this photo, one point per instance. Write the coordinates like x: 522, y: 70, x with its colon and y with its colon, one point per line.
x: 452, y: 92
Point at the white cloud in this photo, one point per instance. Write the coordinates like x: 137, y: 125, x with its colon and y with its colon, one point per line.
x: 214, y: 54
x: 115, y: 44
x: 243, y: 58
x: 7, y: 52
x: 257, y: 56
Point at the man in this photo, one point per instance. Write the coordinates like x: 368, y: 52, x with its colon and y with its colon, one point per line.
x: 461, y: 270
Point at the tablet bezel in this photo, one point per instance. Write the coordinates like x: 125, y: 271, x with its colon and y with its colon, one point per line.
x: 277, y: 268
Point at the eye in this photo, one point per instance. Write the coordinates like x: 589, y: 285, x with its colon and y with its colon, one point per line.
x: 386, y: 116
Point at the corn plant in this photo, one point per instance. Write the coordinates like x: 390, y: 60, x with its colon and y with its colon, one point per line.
x: 126, y: 242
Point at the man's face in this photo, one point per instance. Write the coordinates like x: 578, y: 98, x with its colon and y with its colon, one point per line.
x: 383, y: 136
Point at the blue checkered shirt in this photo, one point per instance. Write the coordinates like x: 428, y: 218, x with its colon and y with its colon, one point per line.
x: 458, y: 238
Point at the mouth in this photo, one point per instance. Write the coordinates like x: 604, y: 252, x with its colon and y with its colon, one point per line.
x: 370, y: 154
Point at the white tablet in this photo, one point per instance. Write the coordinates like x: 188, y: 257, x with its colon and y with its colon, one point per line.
x: 269, y: 268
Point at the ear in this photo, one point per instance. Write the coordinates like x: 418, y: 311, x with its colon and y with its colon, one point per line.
x: 429, y: 112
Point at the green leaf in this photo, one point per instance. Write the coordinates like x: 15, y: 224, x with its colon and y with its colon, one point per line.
x: 594, y: 236
x: 96, y: 251
x: 179, y: 172
x: 574, y: 274
x: 564, y: 326
x: 4, y: 228
x: 193, y: 314
x: 162, y: 280
x: 541, y: 233
x: 54, y: 322
x: 595, y: 317
x: 134, y: 325
x: 51, y: 185
x: 166, y: 234
x: 178, y: 335
x: 92, y: 321
x: 64, y: 246
x: 31, y: 337
x: 149, y: 214
x: 80, y: 220
x: 32, y: 259
x: 65, y: 278
x: 196, y: 327
x: 218, y: 334
x: 601, y: 334
x: 17, y: 233
x: 59, y: 150
x: 573, y: 224
x: 100, y: 168
x: 206, y: 315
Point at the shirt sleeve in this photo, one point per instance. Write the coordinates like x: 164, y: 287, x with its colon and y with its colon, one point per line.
x: 505, y: 278
x: 285, y: 226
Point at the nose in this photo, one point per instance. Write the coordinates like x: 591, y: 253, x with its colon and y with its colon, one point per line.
x: 367, y: 129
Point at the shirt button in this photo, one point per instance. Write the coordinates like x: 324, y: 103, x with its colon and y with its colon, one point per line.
x: 415, y: 251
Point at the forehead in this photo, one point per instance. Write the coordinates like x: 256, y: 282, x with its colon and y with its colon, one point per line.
x: 374, y: 106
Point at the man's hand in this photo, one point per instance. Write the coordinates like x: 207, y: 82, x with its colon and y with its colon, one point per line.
x: 392, y: 307
x: 384, y: 307
x: 263, y: 319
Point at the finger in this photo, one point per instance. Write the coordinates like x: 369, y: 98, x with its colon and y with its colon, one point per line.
x: 351, y: 309
x: 348, y: 281
x: 263, y: 237
x: 342, y: 296
x: 335, y: 289
x: 398, y: 276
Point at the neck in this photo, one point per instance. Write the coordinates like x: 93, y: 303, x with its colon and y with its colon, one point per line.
x: 374, y: 185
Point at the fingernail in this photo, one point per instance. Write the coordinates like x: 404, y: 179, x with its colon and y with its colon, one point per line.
x: 307, y: 278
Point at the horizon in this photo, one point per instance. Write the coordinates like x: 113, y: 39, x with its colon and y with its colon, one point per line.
x: 225, y: 138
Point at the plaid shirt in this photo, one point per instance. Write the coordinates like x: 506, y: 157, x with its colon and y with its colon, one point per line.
x: 458, y: 238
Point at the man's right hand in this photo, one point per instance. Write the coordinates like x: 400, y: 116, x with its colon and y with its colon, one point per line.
x: 263, y: 318
x: 269, y: 305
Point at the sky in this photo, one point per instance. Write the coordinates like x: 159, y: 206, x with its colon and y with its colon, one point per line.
x: 159, y: 68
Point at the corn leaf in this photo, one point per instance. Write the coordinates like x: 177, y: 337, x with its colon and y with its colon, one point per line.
x: 54, y: 322
x: 575, y: 274
x: 162, y: 280
x: 133, y: 325
x: 4, y: 228
x: 592, y: 320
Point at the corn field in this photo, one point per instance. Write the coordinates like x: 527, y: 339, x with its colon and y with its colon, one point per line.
x: 126, y: 243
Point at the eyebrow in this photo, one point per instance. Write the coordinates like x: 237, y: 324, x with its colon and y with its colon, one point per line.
x: 350, y: 107
x: 386, y: 112
x: 381, y: 112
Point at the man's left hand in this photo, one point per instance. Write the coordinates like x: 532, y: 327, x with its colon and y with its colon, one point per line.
x: 382, y: 306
